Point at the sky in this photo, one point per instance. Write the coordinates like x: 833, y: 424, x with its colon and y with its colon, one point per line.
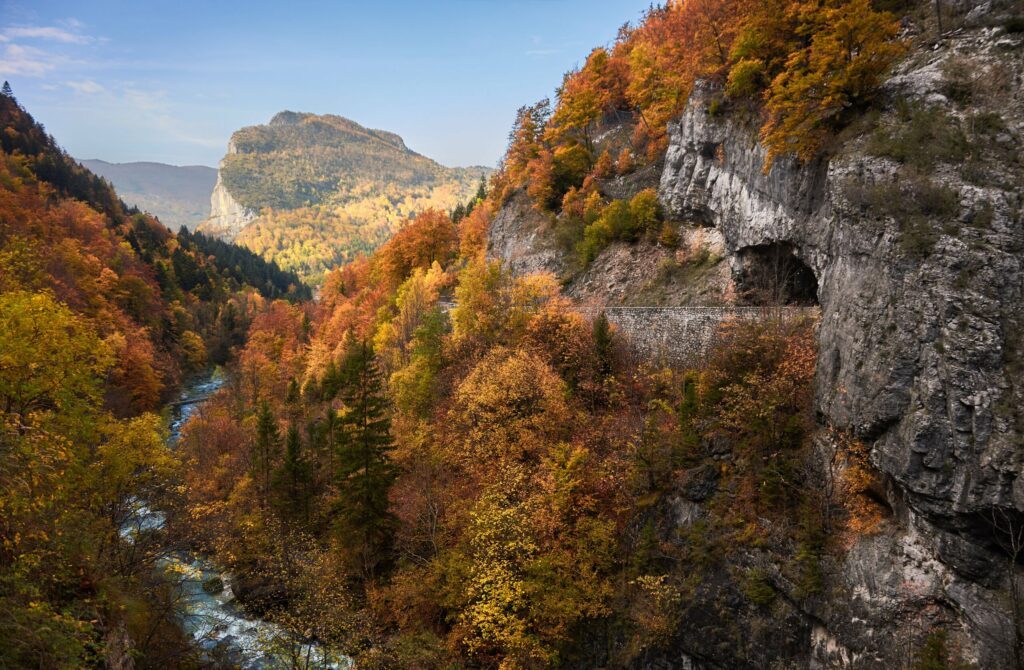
x: 170, y: 81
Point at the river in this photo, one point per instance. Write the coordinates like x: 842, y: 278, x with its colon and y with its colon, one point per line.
x: 208, y: 610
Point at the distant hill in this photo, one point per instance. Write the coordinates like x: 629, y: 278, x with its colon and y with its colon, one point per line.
x: 178, y: 196
x: 312, y: 191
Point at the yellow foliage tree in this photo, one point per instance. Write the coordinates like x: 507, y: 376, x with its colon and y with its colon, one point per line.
x: 851, y: 48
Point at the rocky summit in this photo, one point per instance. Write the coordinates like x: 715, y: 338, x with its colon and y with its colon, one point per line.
x: 311, y: 191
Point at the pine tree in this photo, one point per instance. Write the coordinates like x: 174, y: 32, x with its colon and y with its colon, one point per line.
x: 459, y: 213
x: 689, y: 432
x: 363, y: 472
x: 6, y: 91
x: 266, y: 447
x: 481, y: 190
x: 330, y: 439
x: 603, y: 344
x: 292, y: 480
x: 330, y: 383
x: 293, y: 395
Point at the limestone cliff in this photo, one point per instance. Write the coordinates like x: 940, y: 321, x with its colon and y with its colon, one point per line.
x: 910, y: 237
x: 919, y: 337
x: 227, y: 217
x: 916, y: 352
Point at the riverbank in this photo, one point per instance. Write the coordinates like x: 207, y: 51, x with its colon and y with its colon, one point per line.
x: 208, y: 609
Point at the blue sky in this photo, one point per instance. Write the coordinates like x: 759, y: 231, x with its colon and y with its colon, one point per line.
x: 170, y: 81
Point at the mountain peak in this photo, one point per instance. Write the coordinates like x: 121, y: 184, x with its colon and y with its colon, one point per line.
x: 303, y: 127
x: 288, y: 118
x: 320, y: 181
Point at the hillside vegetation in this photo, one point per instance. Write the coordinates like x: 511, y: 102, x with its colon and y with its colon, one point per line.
x: 500, y: 484
x: 103, y: 311
x: 327, y: 189
x: 482, y: 488
x: 441, y: 463
x: 805, y: 69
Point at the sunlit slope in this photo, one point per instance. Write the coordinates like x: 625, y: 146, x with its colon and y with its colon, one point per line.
x: 314, y: 191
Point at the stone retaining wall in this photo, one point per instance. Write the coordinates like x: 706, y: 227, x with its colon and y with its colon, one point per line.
x: 683, y: 335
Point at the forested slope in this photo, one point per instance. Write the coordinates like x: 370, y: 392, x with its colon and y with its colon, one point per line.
x: 501, y: 485
x: 177, y: 195
x: 103, y: 311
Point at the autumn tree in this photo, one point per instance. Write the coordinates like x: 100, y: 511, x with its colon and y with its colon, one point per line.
x: 586, y: 96
x: 766, y: 37
x: 624, y: 163
x: 525, y: 137
x: 603, y: 166
x: 603, y: 343
x: 512, y: 406
x: 413, y: 300
x: 473, y: 232
x: 429, y: 238
x: 759, y: 386
x: 69, y: 476
x: 851, y: 49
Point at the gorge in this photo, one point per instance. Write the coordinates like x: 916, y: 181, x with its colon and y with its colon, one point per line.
x: 720, y: 368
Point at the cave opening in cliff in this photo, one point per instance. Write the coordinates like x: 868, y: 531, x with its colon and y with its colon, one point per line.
x: 773, y: 274
x: 1001, y: 529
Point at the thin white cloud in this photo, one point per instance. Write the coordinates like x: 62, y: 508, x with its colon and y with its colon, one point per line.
x: 541, y: 52
x: 86, y: 86
x: 51, y: 33
x: 146, y: 101
x: 26, y: 61
x: 36, y: 51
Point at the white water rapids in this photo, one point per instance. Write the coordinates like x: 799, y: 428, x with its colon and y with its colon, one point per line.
x: 207, y: 607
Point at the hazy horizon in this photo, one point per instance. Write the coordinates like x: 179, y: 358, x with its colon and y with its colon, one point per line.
x: 170, y: 83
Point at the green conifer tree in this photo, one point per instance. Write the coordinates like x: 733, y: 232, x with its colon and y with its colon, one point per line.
x: 292, y: 480
x: 481, y: 190
x: 293, y: 395
x: 603, y: 344
x: 265, y: 448
x: 363, y: 471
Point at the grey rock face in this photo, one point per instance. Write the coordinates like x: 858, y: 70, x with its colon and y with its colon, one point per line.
x: 912, y: 350
x: 227, y: 217
x: 919, y: 343
x: 626, y: 186
x: 520, y: 236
